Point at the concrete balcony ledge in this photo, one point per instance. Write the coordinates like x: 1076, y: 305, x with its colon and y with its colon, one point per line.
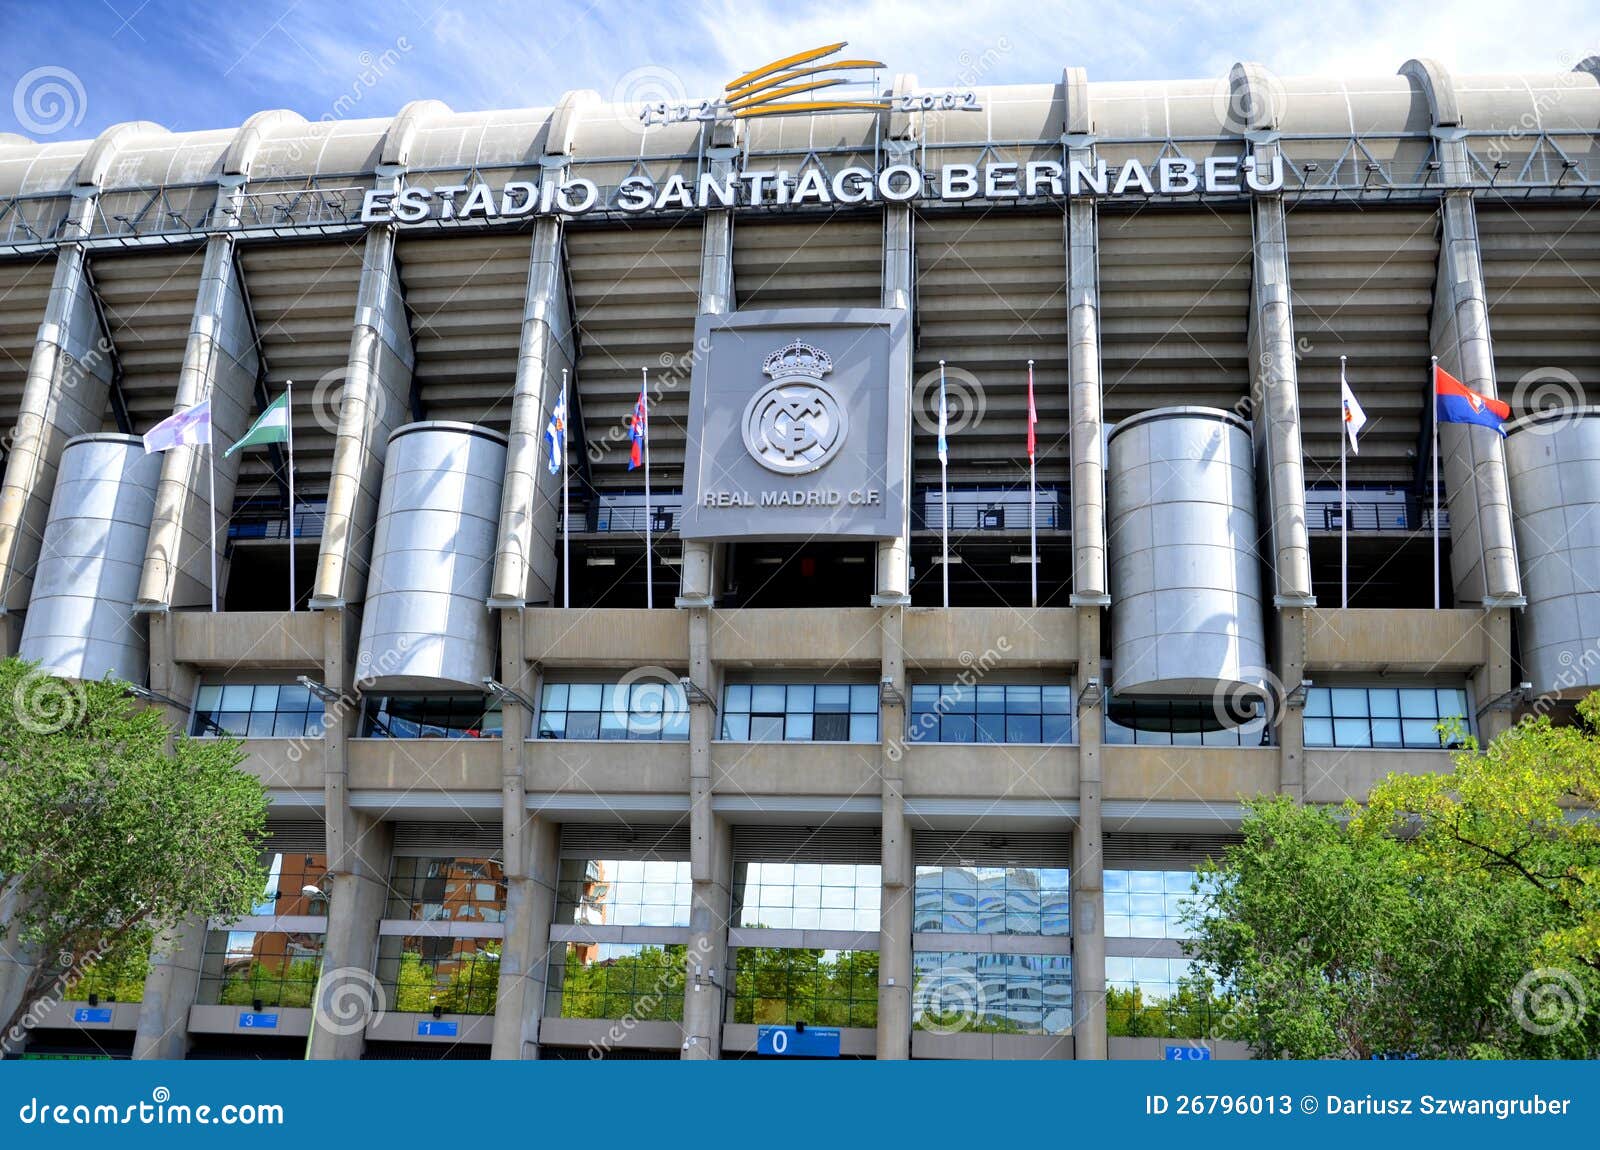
x: 1189, y: 774
x: 854, y: 1041
x: 293, y: 1021
x: 295, y: 764
x: 997, y: 771
x: 991, y: 1047
x: 64, y: 1016
x: 401, y: 1026
x: 836, y: 770
x: 991, y: 638
x: 802, y: 637
x: 601, y: 1034
x: 606, y: 636
x: 1334, y: 774
x: 1404, y: 641
x: 1155, y: 1049
x: 606, y: 767
x: 424, y: 764
x: 249, y: 640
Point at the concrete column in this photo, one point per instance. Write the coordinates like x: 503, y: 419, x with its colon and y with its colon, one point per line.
x: 375, y: 400
x: 65, y: 393
x: 1493, y: 678
x: 899, y: 277
x: 1088, y: 857
x: 170, y: 989
x: 697, y: 574
x: 17, y: 962
x: 1290, y: 721
x: 710, y: 864
x: 896, y: 976
x: 1483, y: 559
x: 1082, y: 222
x: 358, y: 888
x: 525, y: 561
x: 220, y: 363
x: 525, y: 953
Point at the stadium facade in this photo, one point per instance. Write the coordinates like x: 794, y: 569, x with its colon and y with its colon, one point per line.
x: 945, y: 799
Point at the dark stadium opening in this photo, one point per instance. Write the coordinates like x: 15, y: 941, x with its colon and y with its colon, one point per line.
x: 991, y: 573
x: 611, y: 573
x: 1384, y: 572
x: 257, y: 575
x: 799, y: 575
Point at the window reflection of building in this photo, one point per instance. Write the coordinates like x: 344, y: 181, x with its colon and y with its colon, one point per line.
x: 260, y: 958
x: 996, y: 993
x: 993, y: 900
x: 458, y: 972
x: 622, y: 892
x: 433, y: 889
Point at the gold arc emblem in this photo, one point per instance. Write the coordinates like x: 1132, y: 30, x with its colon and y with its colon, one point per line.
x: 764, y: 91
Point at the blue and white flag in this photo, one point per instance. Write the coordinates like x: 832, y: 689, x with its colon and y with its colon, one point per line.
x: 187, y: 428
x: 555, y: 436
x: 944, y: 422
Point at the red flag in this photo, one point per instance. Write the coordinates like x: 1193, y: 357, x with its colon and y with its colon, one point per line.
x: 1033, y: 415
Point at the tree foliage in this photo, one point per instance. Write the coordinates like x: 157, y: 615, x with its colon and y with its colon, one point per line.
x: 1454, y: 916
x: 109, y: 828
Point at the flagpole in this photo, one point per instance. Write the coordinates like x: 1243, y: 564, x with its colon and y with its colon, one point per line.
x: 1344, y: 503
x: 649, y: 561
x: 211, y: 457
x: 288, y: 415
x: 1433, y: 397
x: 1033, y: 503
x: 566, y: 528
x: 944, y: 491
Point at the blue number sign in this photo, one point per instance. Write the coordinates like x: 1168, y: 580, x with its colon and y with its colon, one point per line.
x: 789, y: 1042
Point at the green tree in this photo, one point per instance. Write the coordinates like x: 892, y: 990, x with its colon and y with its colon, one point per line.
x: 1337, y: 937
x: 109, y: 829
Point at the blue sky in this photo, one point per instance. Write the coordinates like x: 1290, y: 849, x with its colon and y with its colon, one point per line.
x: 72, y: 67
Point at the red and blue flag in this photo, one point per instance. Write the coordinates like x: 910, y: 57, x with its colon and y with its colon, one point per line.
x: 636, y: 432
x: 1455, y: 402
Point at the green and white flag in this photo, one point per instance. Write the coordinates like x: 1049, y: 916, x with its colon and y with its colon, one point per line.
x: 271, y: 427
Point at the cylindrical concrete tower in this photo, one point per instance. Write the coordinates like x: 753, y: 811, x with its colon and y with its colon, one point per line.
x: 1553, y: 466
x: 1186, y: 614
x: 426, y: 625
x: 80, y: 622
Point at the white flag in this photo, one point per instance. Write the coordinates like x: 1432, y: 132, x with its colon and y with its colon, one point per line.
x: 1354, y: 418
x: 187, y: 427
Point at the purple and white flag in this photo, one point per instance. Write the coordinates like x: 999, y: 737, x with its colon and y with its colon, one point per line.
x: 187, y: 427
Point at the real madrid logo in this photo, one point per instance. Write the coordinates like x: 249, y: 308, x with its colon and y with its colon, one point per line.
x: 795, y: 424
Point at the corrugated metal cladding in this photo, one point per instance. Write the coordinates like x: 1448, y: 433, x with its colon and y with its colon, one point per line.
x: 1162, y: 852
x: 24, y: 291
x: 991, y: 294
x: 465, y: 296
x: 832, y: 261
x: 992, y: 848
x: 1362, y: 287
x: 463, y: 839
x: 288, y: 835
x: 624, y: 843
x: 1174, y: 310
x: 635, y: 292
x: 1541, y: 266
x: 149, y: 303
x: 304, y: 298
x: 807, y: 844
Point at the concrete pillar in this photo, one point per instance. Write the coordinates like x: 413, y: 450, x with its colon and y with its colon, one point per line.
x: 701, y: 558
x: 899, y: 280
x: 525, y: 954
x: 220, y: 363
x: 374, y: 401
x: 1483, y: 559
x: 170, y: 989
x: 17, y: 962
x: 896, y: 976
x: 1088, y: 851
x: 1493, y: 678
x: 710, y: 863
x: 525, y: 562
x: 1274, y: 378
x: 1290, y: 729
x: 1082, y: 222
x: 358, y: 888
x: 65, y: 393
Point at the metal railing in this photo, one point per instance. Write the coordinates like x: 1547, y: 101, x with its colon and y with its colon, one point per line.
x: 990, y: 510
x: 1367, y: 515
x: 273, y: 522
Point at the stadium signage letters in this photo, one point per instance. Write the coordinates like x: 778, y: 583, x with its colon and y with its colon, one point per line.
x: 897, y: 183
